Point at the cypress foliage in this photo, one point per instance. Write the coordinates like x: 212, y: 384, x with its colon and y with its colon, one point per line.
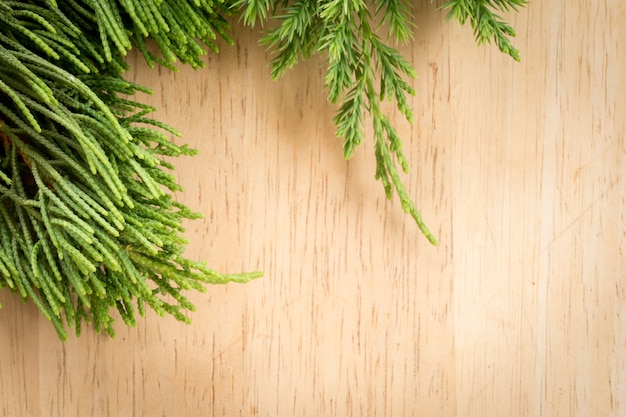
x: 88, y: 224
x: 87, y: 220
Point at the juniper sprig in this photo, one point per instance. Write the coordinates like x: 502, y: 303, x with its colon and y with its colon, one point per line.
x: 363, y: 69
x: 487, y: 24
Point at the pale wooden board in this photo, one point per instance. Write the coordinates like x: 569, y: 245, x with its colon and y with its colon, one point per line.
x: 521, y: 311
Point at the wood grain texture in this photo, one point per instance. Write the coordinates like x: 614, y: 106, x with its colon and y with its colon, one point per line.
x: 521, y: 311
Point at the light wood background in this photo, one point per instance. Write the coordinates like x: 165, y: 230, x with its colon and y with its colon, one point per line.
x: 519, y: 168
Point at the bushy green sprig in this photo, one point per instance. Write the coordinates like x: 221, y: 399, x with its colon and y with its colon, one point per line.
x: 87, y: 221
x: 182, y: 29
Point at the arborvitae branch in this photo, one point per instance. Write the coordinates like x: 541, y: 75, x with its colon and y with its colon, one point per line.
x: 86, y: 224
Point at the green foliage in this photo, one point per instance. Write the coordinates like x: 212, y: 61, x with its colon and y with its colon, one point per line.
x: 487, y: 25
x: 362, y: 68
x: 88, y: 224
x: 87, y: 219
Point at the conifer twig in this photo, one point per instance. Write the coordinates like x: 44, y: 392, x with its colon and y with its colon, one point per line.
x: 362, y: 68
x: 87, y: 224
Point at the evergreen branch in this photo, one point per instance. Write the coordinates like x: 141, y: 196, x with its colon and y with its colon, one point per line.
x: 357, y: 59
x: 254, y: 10
x: 82, y: 185
x: 485, y: 21
x: 398, y: 18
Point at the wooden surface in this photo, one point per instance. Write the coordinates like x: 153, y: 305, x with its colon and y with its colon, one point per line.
x: 521, y: 311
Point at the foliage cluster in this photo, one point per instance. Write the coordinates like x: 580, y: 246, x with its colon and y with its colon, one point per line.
x: 88, y: 223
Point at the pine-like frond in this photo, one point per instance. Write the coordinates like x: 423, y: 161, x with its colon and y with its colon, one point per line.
x: 88, y: 224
